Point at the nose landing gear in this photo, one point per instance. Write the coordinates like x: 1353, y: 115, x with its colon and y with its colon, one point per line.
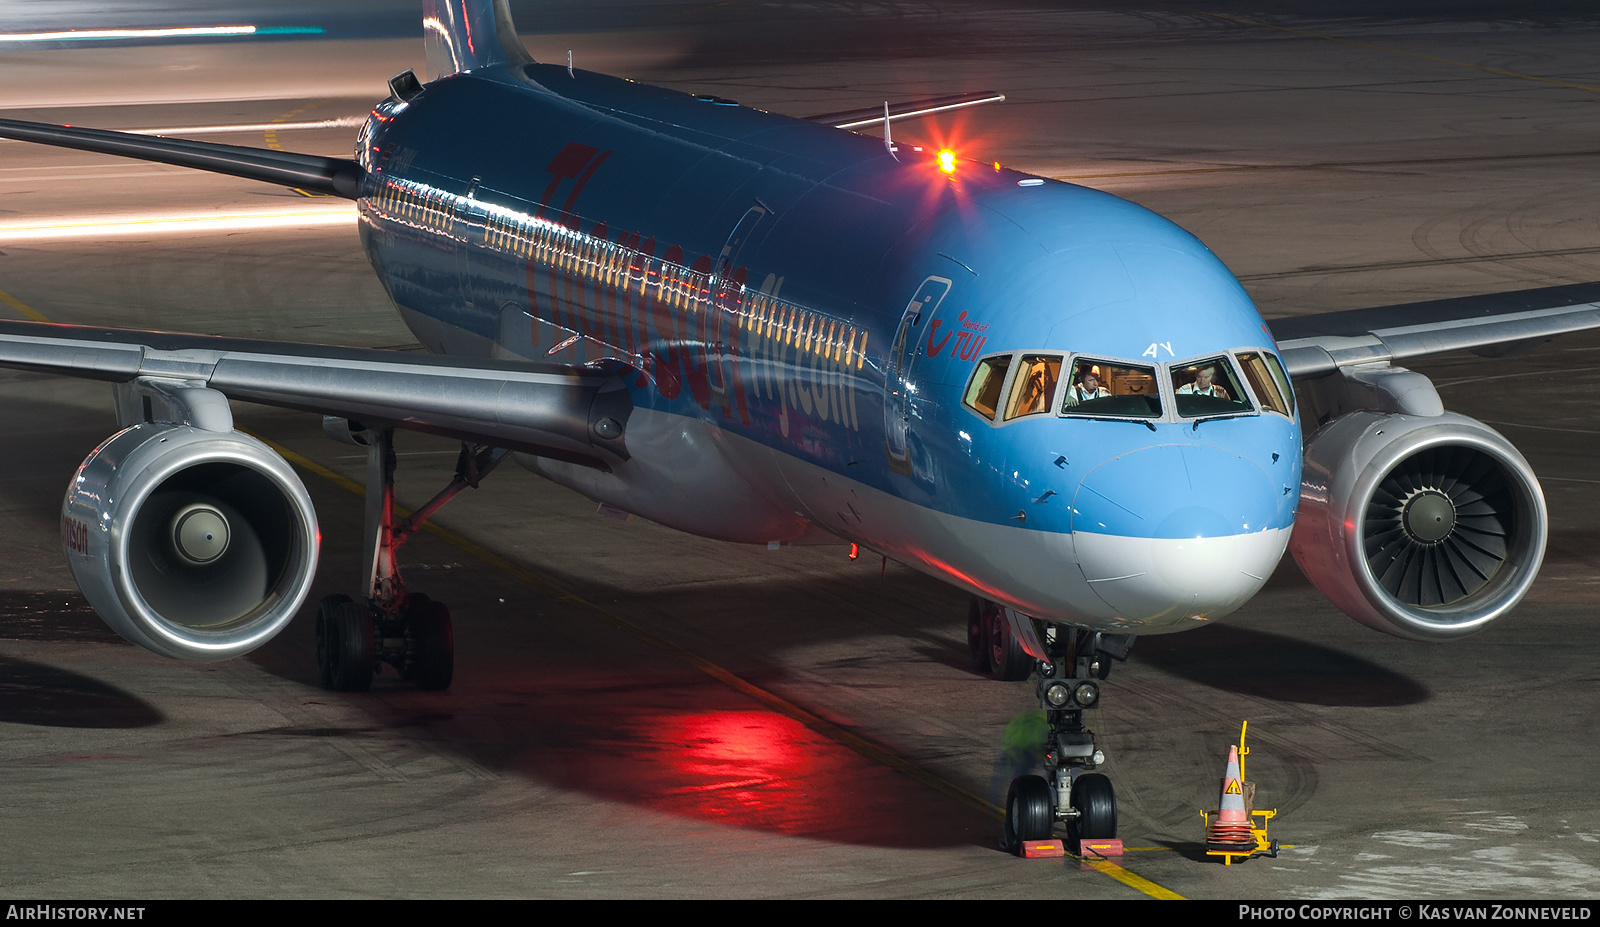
x: 1070, y: 792
x: 409, y: 631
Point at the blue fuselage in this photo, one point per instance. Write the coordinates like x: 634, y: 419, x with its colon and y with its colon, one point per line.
x: 802, y: 317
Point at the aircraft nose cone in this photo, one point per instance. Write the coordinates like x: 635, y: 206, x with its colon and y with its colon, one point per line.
x: 1165, y: 534
x: 1174, y: 491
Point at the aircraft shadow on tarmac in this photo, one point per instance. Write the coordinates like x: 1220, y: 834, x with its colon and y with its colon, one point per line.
x: 651, y: 733
x: 1279, y: 668
x: 32, y: 693
x: 674, y: 742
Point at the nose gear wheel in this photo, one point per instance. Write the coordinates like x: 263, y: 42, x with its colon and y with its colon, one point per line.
x: 1095, y: 801
x: 1030, y: 812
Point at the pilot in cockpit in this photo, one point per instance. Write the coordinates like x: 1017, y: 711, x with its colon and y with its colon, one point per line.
x: 1086, y: 389
x: 1204, y: 384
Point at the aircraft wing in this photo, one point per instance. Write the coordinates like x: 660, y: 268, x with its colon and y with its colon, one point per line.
x: 570, y: 412
x: 910, y: 109
x: 312, y: 173
x: 1492, y: 326
x: 342, y: 176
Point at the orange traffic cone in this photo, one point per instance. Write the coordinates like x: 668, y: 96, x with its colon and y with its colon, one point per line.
x: 1230, y: 829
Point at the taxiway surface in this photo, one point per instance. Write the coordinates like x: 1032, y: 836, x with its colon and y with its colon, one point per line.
x: 637, y: 712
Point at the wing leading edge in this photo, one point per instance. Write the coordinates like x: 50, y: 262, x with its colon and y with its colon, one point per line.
x: 1492, y: 326
x: 911, y: 109
x: 573, y: 413
x: 312, y: 173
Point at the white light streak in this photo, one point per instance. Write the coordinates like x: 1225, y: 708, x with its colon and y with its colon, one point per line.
x: 174, y: 223
x: 343, y: 122
x: 72, y: 35
x: 922, y: 111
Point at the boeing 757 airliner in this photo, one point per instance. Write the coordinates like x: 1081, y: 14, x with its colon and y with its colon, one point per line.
x: 773, y: 330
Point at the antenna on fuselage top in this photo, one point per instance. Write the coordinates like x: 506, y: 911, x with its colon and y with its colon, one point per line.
x: 888, y: 139
x: 569, y: 63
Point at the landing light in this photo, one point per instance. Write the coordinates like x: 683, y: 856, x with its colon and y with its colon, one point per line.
x: 1067, y: 695
x: 947, y: 160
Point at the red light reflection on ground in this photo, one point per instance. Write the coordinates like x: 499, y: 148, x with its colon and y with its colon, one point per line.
x: 753, y: 767
x: 748, y: 767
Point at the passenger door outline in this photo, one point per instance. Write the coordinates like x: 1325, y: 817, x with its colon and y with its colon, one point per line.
x: 899, y: 372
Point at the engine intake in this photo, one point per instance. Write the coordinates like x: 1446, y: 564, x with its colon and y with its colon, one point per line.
x: 1426, y: 527
x: 194, y: 544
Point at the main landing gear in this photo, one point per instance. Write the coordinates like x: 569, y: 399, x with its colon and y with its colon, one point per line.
x: 1069, y: 665
x: 406, y: 630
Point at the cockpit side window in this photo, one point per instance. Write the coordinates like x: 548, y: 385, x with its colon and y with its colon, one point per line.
x: 983, y: 391
x: 1282, y: 380
x: 1035, y: 386
x: 1266, y: 381
x: 1208, y: 387
x: 1099, y: 388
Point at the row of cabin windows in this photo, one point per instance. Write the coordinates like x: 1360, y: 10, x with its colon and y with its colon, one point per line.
x: 424, y: 206
x: 777, y: 321
x: 595, y: 260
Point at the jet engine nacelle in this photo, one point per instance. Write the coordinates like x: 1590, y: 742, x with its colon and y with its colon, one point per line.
x: 1423, y: 526
x: 196, y: 544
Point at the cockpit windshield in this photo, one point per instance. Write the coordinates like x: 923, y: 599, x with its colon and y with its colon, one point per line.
x: 1267, y: 379
x: 983, y: 392
x: 1208, y: 387
x: 1035, y: 386
x: 1100, y: 388
x: 1007, y: 387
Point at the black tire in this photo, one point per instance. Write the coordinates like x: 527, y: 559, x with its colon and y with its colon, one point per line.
x: 345, y: 649
x: 1007, y: 660
x: 327, y: 647
x: 977, y: 637
x: 1096, y: 804
x: 433, y: 661
x: 1030, y: 811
